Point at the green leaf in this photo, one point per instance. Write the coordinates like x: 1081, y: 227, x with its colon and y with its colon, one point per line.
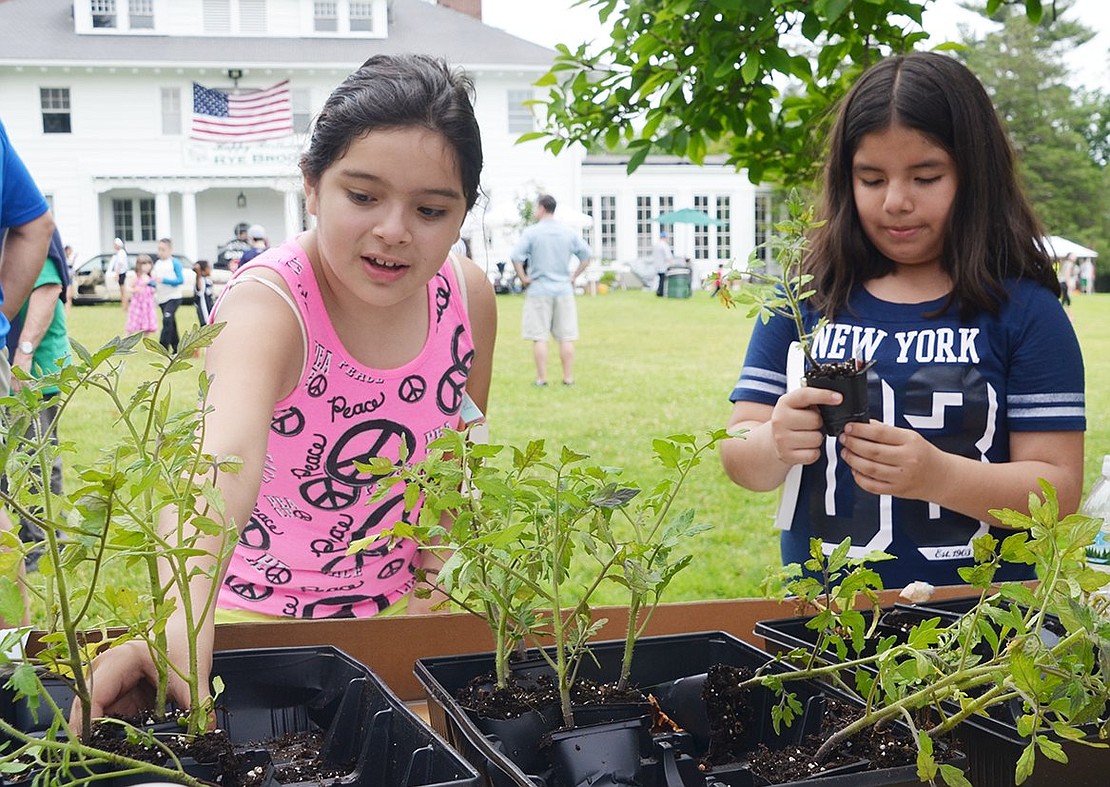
x: 1026, y: 760
x: 1051, y: 749
x: 1025, y: 672
x: 953, y: 776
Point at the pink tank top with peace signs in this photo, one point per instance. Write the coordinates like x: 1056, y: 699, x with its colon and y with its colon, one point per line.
x: 291, y: 559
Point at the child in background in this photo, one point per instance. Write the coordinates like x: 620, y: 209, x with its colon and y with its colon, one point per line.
x: 142, y: 312
x: 355, y: 339
x: 203, y: 299
x: 929, y: 264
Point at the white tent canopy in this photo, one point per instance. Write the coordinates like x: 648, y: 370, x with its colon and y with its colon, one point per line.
x: 1062, y: 247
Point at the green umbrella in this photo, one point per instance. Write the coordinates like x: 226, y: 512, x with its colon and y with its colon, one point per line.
x: 687, y: 216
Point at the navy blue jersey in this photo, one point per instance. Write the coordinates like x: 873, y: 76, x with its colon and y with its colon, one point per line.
x: 963, y: 384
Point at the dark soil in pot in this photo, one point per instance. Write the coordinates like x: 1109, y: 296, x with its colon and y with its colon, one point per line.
x: 213, y: 757
x: 523, y: 694
x: 730, y: 710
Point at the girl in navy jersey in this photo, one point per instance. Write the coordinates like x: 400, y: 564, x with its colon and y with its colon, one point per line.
x: 930, y: 264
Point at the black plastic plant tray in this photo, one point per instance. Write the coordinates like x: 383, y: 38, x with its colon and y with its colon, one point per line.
x: 658, y: 660
x: 271, y: 692
x: 992, y: 743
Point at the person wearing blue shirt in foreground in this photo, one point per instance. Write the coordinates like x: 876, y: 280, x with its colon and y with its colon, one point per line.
x: 929, y: 264
x: 549, y: 307
x: 26, y: 226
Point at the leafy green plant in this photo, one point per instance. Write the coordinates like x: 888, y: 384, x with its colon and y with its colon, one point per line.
x: 118, y: 512
x: 998, y: 652
x: 783, y: 294
x: 528, y: 542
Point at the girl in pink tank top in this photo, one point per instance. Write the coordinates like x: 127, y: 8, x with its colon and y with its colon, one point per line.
x: 354, y: 340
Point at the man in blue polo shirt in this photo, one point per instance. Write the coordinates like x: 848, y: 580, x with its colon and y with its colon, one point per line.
x: 549, y: 307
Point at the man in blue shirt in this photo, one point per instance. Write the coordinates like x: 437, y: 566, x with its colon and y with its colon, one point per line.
x: 27, y: 226
x: 549, y: 307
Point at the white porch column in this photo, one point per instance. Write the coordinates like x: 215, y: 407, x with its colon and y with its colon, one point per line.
x: 292, y: 217
x: 188, y: 241
x: 163, y: 226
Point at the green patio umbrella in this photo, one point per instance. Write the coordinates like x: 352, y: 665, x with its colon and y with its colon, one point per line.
x: 687, y: 216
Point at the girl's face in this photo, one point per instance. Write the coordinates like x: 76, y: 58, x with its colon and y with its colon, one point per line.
x: 387, y: 213
x: 904, y: 186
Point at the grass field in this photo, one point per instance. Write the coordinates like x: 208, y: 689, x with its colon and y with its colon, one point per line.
x: 646, y: 367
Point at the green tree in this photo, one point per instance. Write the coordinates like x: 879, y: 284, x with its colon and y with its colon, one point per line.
x: 1055, y: 131
x: 757, y: 77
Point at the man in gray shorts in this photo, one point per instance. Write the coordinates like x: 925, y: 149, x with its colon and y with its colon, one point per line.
x: 549, y: 307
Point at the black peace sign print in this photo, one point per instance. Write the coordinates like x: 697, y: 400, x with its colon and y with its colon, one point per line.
x: 254, y: 535
x: 452, y: 385
x: 288, y: 422
x: 412, y: 388
x: 364, y: 442
x: 391, y: 568
x: 385, y: 515
x: 340, y: 606
x: 317, y: 386
x: 328, y: 494
x: 248, y: 591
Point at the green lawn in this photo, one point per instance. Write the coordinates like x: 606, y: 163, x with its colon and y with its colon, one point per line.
x: 646, y: 367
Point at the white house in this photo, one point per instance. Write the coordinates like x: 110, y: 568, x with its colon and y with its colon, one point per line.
x: 97, y: 97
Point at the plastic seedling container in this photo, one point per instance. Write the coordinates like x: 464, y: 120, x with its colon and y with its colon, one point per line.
x: 671, y: 668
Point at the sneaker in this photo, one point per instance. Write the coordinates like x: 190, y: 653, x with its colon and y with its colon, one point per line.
x: 568, y: 382
x: 540, y: 383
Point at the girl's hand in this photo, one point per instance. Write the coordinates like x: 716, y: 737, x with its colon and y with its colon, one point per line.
x: 123, y: 681
x: 796, y: 425
x: 889, y: 460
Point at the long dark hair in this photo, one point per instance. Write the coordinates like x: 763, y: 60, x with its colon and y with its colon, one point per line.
x: 992, y: 232
x: 393, y: 92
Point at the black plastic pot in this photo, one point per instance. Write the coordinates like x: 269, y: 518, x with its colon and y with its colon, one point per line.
x: 992, y: 742
x: 599, y: 755
x: 853, y: 387
x: 364, y: 728
x: 669, y: 667
x: 520, y: 738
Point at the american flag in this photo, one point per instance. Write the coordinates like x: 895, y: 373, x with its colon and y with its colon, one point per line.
x: 244, y: 117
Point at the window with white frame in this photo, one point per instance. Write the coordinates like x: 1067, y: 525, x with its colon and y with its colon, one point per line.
x: 103, y: 13
x: 325, y: 16
x: 140, y: 14
x: 123, y: 219
x: 521, y: 119
x: 607, y: 226
x: 724, y: 229
x: 762, y: 225
x: 644, y: 234
x: 361, y: 17
x: 588, y: 230
x: 701, y: 231
x: 55, y: 110
x: 216, y: 16
x: 302, y: 109
x: 147, y: 225
x: 665, y: 204
x: 171, y: 111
